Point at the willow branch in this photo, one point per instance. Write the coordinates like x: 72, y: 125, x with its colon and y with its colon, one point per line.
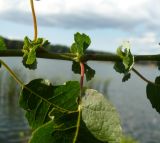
x: 87, y: 57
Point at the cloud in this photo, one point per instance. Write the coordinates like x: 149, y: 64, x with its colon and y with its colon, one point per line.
x: 137, y: 21
x: 85, y: 14
x: 147, y: 43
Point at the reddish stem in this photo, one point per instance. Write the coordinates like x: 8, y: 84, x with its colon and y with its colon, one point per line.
x: 82, y: 75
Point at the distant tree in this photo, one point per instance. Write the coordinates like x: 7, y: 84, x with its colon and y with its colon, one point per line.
x: 2, y: 44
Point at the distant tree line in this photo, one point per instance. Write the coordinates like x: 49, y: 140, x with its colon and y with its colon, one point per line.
x: 18, y: 44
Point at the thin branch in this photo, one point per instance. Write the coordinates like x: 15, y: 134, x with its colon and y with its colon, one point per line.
x: 114, y: 57
x: 34, y: 20
x: 45, y: 55
x: 142, y: 77
x: 87, y: 57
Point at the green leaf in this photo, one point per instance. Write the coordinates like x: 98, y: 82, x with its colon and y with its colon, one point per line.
x: 52, y: 111
x: 29, y: 49
x: 43, y: 134
x: 82, y: 39
x: 153, y: 94
x: 79, y: 47
x: 89, y: 72
x: 82, y: 42
x: 85, y: 136
x: 127, y: 61
x: 47, y: 97
x: 52, y: 133
x: 31, y: 57
x: 76, y: 67
x: 126, y: 77
x: 32, y: 66
x: 65, y: 126
x: 60, y: 130
x: 126, y: 56
x: 119, y: 67
x: 101, y: 117
x: 45, y: 43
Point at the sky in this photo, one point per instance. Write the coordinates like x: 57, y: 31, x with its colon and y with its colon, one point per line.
x: 107, y: 22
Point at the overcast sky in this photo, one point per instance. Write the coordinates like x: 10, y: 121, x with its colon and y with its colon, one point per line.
x: 107, y: 22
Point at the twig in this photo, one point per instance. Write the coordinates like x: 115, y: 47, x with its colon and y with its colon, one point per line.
x: 87, y: 57
x: 142, y: 77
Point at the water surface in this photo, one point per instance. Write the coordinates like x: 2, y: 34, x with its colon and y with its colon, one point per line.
x: 138, y: 117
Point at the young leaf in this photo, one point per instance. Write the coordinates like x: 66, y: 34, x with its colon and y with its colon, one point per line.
x: 127, y: 61
x: 82, y: 42
x: 89, y: 72
x: 126, y: 56
x: 100, y: 117
x: 29, y: 49
x: 47, y: 97
x: 153, y: 94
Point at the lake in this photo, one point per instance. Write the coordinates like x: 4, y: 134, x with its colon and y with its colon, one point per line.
x: 138, y: 117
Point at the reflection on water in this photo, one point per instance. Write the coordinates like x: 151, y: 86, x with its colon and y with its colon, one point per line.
x: 138, y: 118
x: 13, y: 126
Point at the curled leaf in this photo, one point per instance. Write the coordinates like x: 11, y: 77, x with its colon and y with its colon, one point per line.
x: 29, y: 49
x: 31, y: 66
x: 125, y: 54
x: 127, y: 62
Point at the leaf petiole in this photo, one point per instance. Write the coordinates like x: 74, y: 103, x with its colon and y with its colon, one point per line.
x: 34, y: 20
